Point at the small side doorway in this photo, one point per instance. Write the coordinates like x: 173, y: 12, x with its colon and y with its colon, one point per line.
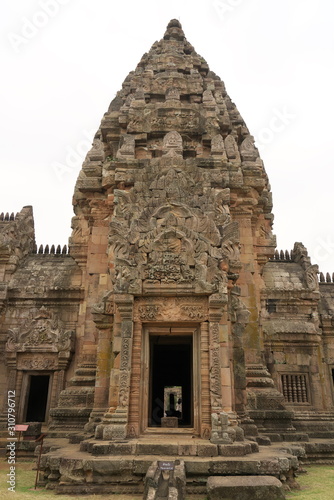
x: 37, y: 398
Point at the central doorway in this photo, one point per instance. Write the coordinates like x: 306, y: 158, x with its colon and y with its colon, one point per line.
x: 171, y: 379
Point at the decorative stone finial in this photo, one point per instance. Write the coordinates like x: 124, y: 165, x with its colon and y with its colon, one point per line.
x: 174, y: 23
x: 174, y: 31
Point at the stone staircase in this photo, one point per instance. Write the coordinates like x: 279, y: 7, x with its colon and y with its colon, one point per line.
x: 130, y: 467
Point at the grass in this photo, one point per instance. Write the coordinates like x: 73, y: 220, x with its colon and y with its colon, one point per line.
x: 317, y: 484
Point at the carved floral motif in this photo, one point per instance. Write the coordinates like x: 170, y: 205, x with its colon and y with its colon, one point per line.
x: 171, y: 309
x: 148, y: 312
x: 193, y: 312
x: 38, y: 362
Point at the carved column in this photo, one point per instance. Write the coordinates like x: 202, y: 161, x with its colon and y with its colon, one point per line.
x: 118, y: 423
x: 12, y: 373
x: 54, y: 393
x: 205, y: 382
x: 60, y: 383
x: 216, y: 304
x: 136, y: 419
x: 18, y: 388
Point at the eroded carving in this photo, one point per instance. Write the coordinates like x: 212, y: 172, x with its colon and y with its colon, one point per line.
x: 172, y: 143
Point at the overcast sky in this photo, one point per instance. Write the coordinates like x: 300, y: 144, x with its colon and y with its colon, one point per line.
x: 62, y: 62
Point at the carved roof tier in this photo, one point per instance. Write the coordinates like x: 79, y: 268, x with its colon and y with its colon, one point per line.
x: 173, y: 89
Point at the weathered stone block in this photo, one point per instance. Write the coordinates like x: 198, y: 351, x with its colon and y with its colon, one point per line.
x: 245, y: 488
x: 187, y: 450
x: 169, y: 422
x: 207, y: 450
x: 33, y: 431
x: 263, y: 440
x: 194, y: 468
x: 157, y: 449
x: 232, y: 450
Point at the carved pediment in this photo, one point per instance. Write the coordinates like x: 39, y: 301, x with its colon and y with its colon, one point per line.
x: 174, y: 229
x: 43, y: 332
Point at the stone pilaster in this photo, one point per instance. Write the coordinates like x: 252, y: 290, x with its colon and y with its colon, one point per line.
x: 117, y: 422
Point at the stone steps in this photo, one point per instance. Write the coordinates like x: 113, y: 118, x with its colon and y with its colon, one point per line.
x: 121, y: 467
x: 185, y: 448
x: 70, y: 471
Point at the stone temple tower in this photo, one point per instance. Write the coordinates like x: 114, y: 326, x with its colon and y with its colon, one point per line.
x: 172, y: 313
x: 172, y: 229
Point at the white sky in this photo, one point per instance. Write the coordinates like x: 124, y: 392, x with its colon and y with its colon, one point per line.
x: 61, y: 70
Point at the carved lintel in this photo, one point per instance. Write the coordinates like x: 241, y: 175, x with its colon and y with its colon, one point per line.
x: 37, y: 362
x: 171, y: 309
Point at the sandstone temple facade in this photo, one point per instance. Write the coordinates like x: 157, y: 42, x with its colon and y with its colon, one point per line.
x: 171, y: 305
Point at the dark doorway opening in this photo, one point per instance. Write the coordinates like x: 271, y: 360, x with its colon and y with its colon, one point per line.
x: 171, y: 364
x: 38, y: 398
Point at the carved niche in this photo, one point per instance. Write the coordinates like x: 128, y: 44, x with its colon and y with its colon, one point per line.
x: 172, y: 94
x: 248, y: 150
x: 172, y: 143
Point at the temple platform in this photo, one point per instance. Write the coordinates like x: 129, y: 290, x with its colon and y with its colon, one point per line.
x: 121, y: 467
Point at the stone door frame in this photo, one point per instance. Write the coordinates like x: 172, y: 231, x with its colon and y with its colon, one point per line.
x: 25, y: 392
x: 176, y: 330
